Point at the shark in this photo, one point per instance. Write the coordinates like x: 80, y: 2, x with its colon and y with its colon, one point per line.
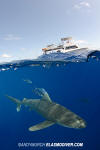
x: 53, y: 112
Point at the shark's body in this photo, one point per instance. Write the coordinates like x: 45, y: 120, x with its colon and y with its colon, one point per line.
x: 51, y: 111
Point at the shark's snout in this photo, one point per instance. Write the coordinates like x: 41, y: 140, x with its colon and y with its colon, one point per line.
x: 81, y: 124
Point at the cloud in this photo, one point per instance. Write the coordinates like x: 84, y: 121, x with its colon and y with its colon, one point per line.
x: 11, y: 37
x: 80, y: 42
x: 23, y: 49
x: 6, y: 56
x: 82, y: 5
x: 86, y: 4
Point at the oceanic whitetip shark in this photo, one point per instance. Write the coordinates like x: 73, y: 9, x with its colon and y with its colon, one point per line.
x: 53, y: 113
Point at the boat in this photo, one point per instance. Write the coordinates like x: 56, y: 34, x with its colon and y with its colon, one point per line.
x: 66, y: 45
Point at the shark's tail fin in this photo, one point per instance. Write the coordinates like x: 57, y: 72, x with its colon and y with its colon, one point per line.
x: 18, y: 107
x: 16, y: 101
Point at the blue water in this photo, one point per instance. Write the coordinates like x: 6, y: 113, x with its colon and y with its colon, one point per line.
x: 74, y: 85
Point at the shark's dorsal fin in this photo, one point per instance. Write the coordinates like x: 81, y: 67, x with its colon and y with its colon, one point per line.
x: 46, y: 97
x: 41, y: 92
x: 41, y: 125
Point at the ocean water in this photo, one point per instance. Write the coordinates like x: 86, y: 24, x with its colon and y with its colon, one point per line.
x: 75, y: 85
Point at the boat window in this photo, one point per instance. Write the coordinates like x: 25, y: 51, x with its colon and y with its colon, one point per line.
x: 70, y: 47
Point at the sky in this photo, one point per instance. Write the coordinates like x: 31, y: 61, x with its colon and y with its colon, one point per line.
x: 26, y: 26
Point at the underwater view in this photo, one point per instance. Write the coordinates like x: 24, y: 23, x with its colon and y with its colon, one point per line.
x: 74, y: 85
x: 49, y: 74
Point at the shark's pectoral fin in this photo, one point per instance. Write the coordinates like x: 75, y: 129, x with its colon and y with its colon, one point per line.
x: 41, y: 125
